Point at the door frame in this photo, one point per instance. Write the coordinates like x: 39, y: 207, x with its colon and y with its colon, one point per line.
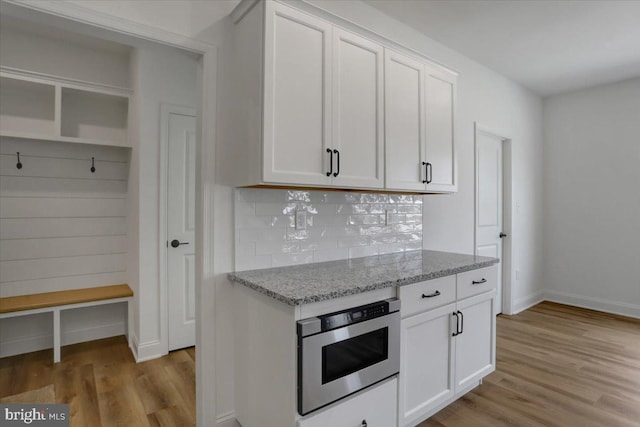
x: 507, y: 210
x: 163, y: 206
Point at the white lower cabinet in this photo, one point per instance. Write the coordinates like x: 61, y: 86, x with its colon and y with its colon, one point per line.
x: 475, y: 346
x: 426, y: 370
x: 373, y: 407
x: 444, y: 351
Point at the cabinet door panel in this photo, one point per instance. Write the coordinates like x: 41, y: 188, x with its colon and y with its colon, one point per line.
x: 375, y: 405
x: 440, y: 149
x: 426, y: 372
x: 357, y: 110
x: 297, y: 97
x: 475, y: 346
x: 404, y: 122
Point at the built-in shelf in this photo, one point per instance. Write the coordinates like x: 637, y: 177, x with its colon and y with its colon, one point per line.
x: 37, y: 107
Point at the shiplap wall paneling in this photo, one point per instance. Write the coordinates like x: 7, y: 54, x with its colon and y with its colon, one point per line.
x: 58, y: 219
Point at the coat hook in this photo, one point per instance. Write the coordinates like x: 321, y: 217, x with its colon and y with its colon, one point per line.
x: 18, y: 165
x: 93, y: 165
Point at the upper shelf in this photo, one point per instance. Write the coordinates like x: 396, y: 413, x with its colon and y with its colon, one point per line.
x: 49, y: 108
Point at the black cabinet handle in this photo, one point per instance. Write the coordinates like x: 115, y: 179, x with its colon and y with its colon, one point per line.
x: 502, y: 235
x: 461, y: 322
x: 364, y: 423
x: 424, y: 181
x: 330, y: 161
x: 479, y: 282
x: 337, y: 172
x: 435, y: 294
x: 429, y: 173
x: 456, y: 333
x: 175, y: 243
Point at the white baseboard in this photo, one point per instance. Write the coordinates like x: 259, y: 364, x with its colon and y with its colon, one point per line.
x: 227, y: 420
x: 521, y: 304
x: 43, y: 342
x: 599, y: 304
x: 148, y: 350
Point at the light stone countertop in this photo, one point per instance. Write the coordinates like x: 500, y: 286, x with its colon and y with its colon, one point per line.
x: 303, y: 284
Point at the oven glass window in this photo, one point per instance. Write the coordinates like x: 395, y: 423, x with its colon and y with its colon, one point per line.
x: 353, y: 354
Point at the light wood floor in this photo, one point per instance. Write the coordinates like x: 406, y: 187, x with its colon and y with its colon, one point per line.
x: 105, y: 387
x: 556, y: 366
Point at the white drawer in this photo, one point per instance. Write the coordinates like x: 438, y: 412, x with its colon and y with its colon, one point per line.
x: 475, y: 282
x: 422, y: 296
x: 376, y: 406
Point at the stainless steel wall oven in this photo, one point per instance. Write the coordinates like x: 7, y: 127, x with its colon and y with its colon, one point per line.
x: 343, y: 352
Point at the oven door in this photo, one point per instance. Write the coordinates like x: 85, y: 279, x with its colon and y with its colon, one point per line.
x: 339, y: 362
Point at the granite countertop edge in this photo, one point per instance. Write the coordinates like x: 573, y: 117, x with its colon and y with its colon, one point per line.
x: 360, y: 289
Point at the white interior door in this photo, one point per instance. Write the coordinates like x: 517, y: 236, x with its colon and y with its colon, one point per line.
x: 181, y: 230
x: 489, y: 201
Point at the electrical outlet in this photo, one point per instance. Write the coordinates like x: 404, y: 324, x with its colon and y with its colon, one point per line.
x: 301, y: 220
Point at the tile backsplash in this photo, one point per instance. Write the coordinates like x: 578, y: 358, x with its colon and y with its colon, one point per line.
x: 338, y: 225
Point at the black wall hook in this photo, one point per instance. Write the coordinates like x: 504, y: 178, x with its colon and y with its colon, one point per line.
x: 93, y: 165
x: 18, y: 165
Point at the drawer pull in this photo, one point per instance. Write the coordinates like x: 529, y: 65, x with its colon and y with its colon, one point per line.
x: 364, y: 423
x: 479, y: 282
x: 435, y: 294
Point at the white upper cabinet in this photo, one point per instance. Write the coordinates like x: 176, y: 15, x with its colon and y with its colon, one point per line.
x: 311, y: 101
x: 297, y: 97
x: 357, y: 111
x: 440, y: 148
x: 419, y: 115
x: 323, y: 103
x: 404, y: 127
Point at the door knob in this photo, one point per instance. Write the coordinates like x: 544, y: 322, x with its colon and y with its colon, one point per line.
x: 502, y: 235
x: 175, y: 243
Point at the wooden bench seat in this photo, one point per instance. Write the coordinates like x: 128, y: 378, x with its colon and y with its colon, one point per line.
x: 55, y: 302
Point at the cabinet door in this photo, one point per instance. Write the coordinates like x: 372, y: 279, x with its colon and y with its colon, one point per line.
x: 440, y: 147
x: 404, y: 122
x: 426, y: 369
x: 476, y: 345
x: 297, y: 96
x: 373, y: 407
x: 357, y: 110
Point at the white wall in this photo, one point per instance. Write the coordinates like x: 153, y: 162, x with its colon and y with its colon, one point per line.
x: 162, y: 75
x: 592, y: 197
x: 494, y: 102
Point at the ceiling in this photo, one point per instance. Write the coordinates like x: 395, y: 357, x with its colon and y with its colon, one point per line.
x: 549, y: 46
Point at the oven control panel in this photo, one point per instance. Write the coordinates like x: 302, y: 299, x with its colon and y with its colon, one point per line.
x: 357, y: 314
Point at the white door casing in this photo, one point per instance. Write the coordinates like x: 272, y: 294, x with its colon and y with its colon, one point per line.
x: 181, y: 280
x: 489, y: 201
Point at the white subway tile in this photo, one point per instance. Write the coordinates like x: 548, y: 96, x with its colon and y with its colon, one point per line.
x: 282, y: 260
x: 255, y: 234
x: 410, y: 209
x: 384, y: 239
x: 363, y: 251
x: 245, y: 208
x: 413, y: 246
x: 323, y: 255
x: 253, y: 262
x: 272, y: 247
x: 391, y: 248
x: 245, y: 249
x: 331, y: 220
x: 347, y: 242
x: 318, y: 244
